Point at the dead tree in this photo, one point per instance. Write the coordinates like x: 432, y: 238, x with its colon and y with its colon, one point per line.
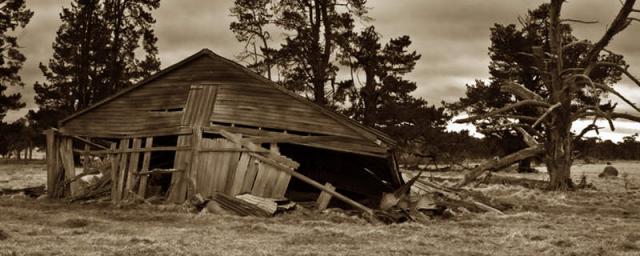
x: 559, y: 107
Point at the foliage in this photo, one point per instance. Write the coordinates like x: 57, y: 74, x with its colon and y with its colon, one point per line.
x: 570, y: 78
x: 17, y: 136
x: 384, y: 101
x: 13, y: 15
x: 511, y: 63
x: 313, y: 31
x: 253, y: 16
x: 594, y: 148
x: 95, y: 54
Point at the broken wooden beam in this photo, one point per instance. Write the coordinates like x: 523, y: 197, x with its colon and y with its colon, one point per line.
x: 287, y: 165
x: 324, y: 198
x: 154, y: 171
x: 501, y: 163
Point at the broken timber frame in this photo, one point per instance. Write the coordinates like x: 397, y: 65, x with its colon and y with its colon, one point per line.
x: 128, y: 182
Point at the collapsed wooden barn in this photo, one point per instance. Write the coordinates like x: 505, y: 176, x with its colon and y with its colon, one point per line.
x: 208, y: 125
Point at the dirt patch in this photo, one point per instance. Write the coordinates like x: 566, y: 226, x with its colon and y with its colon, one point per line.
x: 3, y: 235
x: 602, y: 222
x: 75, y: 223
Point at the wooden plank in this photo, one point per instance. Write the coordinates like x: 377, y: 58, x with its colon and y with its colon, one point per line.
x: 288, y: 138
x: 133, y: 168
x: 66, y: 155
x: 193, y: 172
x: 88, y: 142
x: 282, y: 183
x: 97, y: 132
x: 324, y: 198
x: 281, y: 179
x: 234, y: 159
x: 52, y: 162
x: 85, y: 158
x: 137, y: 150
x: 209, y: 182
x: 115, y: 160
x: 224, y: 166
x: 271, y: 179
x: 122, y: 169
x: 261, y: 180
x: 241, y: 172
x: 250, y: 177
x: 142, y: 188
x: 178, y: 189
x: 273, y: 158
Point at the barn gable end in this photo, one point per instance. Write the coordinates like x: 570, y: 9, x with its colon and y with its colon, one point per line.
x: 208, y: 125
x: 244, y: 100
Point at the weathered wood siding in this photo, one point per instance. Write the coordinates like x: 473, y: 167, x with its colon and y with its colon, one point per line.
x: 256, y: 104
x: 139, y: 110
x: 242, y: 100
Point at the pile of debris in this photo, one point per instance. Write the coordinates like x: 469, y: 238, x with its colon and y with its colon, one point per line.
x: 421, y: 199
x: 241, y: 205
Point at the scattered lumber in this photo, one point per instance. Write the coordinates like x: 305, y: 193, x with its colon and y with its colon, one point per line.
x: 237, y: 206
x: 433, y: 200
x: 268, y: 205
x: 33, y: 192
x: 506, y: 180
x: 324, y: 198
x: 501, y: 163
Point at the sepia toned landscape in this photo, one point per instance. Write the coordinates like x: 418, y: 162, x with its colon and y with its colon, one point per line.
x: 319, y: 127
x: 603, y: 221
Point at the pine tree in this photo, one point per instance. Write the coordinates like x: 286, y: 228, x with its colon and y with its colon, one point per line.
x: 13, y: 15
x: 573, y: 84
x: 384, y: 100
x: 130, y: 25
x: 95, y: 55
x: 314, y: 29
x: 75, y: 75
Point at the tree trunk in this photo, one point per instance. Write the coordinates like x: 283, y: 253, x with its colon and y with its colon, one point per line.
x: 369, y: 98
x: 558, y: 153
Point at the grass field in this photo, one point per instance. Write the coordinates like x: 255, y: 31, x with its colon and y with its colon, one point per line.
x: 601, y: 222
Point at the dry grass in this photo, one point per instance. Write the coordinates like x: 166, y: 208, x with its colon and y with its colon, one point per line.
x: 604, y: 222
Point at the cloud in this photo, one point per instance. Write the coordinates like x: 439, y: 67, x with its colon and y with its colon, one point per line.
x: 452, y: 36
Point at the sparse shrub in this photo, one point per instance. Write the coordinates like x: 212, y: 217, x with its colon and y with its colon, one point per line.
x: 3, y: 235
x: 75, y: 223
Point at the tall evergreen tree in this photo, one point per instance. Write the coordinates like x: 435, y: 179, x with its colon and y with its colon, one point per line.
x: 572, y: 83
x: 314, y: 29
x: 76, y: 74
x: 13, y: 15
x: 130, y: 25
x: 511, y: 63
x: 253, y: 17
x: 95, y: 55
x: 384, y: 100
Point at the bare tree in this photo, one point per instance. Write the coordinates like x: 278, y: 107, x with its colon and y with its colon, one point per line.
x: 560, y: 106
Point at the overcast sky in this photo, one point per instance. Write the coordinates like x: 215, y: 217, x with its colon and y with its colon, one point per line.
x: 451, y: 35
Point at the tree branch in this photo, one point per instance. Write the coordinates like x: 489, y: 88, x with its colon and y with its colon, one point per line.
x: 530, y: 140
x: 504, y: 109
x: 546, y: 113
x: 627, y: 116
x: 617, y: 66
x: 611, y: 90
x: 520, y: 91
x: 500, y: 163
x: 618, y: 24
x: 579, y: 21
x: 591, y: 127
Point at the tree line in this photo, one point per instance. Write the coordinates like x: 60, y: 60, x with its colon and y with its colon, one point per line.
x: 326, y: 50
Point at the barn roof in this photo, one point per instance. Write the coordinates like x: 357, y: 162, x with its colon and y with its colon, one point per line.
x: 369, y: 133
